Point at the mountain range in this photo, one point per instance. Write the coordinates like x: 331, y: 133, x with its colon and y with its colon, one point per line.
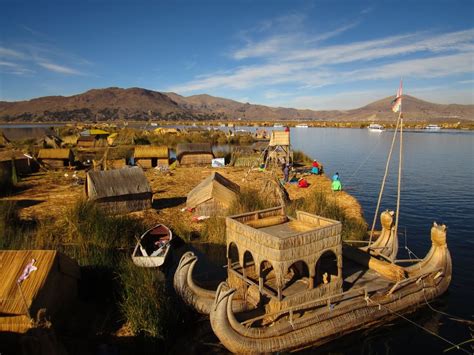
x: 142, y: 104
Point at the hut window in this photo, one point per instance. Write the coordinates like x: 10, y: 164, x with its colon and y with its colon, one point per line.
x: 326, y: 268
x: 232, y: 254
x: 298, y: 271
x: 249, y: 266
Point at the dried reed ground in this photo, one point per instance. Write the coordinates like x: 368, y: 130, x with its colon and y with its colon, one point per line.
x: 49, y: 195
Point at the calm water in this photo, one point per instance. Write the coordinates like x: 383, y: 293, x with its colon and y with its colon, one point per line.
x: 437, y: 185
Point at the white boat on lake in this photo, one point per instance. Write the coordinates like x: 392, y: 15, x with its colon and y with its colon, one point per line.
x: 301, y: 125
x: 278, y: 125
x: 375, y: 127
x: 432, y: 127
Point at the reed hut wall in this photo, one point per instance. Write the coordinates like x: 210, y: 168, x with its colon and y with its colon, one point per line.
x: 279, y: 138
x: 150, y: 156
x: 119, y: 191
x: 52, y: 286
x: 194, y: 153
x: 56, y: 158
x: 86, y: 142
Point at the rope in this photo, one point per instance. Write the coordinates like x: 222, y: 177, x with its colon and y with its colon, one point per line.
x: 387, y: 165
x: 368, y: 299
x: 365, y: 161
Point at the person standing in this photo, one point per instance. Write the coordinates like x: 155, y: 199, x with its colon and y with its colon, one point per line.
x: 286, y: 172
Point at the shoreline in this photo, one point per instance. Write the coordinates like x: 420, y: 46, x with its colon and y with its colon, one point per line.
x: 417, y: 125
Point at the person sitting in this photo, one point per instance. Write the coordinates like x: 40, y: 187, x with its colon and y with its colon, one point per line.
x: 335, y: 177
x: 303, y: 183
x: 336, y: 185
x: 315, y: 168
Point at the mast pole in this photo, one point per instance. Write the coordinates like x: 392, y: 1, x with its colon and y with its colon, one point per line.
x: 400, y: 161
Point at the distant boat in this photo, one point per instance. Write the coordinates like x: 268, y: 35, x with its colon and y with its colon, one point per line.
x: 154, y: 124
x: 301, y: 125
x: 432, y: 127
x: 153, y: 247
x: 375, y: 127
x: 278, y: 125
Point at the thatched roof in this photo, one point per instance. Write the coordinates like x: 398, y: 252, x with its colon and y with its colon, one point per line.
x: 8, y: 155
x: 57, y: 153
x: 119, y: 182
x: 279, y: 138
x: 149, y: 151
x: 12, y: 264
x: 214, y: 186
x: 193, y: 148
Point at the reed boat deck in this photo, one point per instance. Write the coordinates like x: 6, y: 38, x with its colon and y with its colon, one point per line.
x: 355, y: 276
x: 288, y: 229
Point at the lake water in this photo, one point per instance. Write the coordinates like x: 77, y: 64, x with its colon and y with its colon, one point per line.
x: 437, y: 185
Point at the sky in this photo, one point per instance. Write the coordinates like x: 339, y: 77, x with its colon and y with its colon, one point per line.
x: 302, y: 54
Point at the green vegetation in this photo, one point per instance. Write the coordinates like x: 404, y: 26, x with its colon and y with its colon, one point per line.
x: 323, y: 205
x: 100, y: 243
x: 301, y: 158
x: 249, y: 200
x: 145, y: 303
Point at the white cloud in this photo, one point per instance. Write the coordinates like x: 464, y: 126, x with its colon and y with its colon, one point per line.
x: 6, y: 52
x: 61, y: 69
x: 324, y: 65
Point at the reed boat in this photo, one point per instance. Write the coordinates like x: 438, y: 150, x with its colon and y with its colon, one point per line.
x: 366, y: 299
x: 153, y: 247
x: 202, y: 299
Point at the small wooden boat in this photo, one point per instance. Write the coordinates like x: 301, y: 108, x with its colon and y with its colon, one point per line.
x: 153, y: 247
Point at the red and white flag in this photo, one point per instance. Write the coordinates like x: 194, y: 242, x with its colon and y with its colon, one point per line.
x: 397, y: 102
x: 29, y: 268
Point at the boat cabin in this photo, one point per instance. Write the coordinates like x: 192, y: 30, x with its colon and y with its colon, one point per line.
x: 288, y: 260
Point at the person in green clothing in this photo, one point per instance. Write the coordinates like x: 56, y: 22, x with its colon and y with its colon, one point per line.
x: 336, y: 185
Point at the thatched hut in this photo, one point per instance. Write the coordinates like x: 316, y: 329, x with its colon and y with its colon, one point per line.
x: 213, y: 196
x: 116, y: 158
x: 53, y: 286
x: 194, y: 153
x: 23, y: 163
x: 56, y: 158
x: 151, y: 156
x: 119, y: 191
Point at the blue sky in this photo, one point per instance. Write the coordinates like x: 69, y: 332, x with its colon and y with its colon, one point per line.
x: 303, y: 54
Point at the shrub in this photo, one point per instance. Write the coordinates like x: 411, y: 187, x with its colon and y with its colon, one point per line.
x: 146, y: 304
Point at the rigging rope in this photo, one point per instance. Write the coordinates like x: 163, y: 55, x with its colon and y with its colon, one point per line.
x: 365, y: 161
x: 368, y: 299
x: 387, y: 165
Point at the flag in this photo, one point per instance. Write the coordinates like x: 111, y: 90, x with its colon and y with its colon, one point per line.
x: 29, y: 268
x: 397, y: 102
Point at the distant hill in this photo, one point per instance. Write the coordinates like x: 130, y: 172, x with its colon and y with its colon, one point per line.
x: 142, y: 104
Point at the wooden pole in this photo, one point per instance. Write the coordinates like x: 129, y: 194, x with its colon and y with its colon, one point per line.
x: 24, y: 301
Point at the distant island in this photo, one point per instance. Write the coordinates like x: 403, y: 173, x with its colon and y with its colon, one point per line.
x: 139, y: 104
